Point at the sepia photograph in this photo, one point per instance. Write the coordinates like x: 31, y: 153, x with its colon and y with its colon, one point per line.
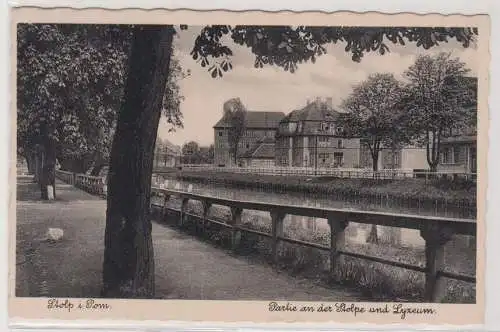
x: 278, y: 163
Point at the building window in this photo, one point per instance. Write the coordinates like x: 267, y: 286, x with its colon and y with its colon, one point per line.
x: 324, y: 126
x: 247, y: 146
x: 340, y: 144
x: 456, y: 155
x: 447, y: 156
x: 220, y: 133
x: 323, y: 139
x: 324, y: 157
x: 338, y: 159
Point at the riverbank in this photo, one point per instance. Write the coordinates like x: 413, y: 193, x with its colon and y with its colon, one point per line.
x: 437, y: 195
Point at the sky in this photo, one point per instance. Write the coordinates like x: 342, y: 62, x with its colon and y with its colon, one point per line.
x: 273, y: 89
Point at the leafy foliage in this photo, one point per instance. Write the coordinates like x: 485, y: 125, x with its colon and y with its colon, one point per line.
x: 287, y: 46
x: 70, y: 80
x: 235, y: 117
x: 173, y: 97
x: 438, y: 97
x: 70, y: 87
x: 193, y: 153
x: 373, y: 113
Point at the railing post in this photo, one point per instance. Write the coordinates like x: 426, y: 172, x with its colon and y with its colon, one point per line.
x: 277, y: 231
x: 435, y: 237
x: 337, y: 240
x: 206, y: 209
x: 166, y: 198
x: 183, y: 211
x: 235, y: 231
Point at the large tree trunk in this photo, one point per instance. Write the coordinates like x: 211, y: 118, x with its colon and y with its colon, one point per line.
x: 47, y: 174
x: 128, y: 268
x: 374, y: 153
x: 38, y: 165
x: 433, y: 148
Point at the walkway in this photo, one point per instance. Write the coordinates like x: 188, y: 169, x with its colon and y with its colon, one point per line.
x: 185, y: 267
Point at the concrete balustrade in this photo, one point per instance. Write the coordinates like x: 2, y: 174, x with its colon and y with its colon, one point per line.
x: 435, y: 231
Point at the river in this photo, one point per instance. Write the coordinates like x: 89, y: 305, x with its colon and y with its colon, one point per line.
x: 404, y: 237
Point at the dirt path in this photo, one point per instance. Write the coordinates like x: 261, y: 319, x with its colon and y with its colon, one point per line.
x: 185, y: 267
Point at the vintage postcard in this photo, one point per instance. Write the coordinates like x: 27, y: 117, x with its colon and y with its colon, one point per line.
x: 248, y: 167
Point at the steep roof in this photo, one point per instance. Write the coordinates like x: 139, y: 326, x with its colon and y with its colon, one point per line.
x: 257, y: 120
x: 315, y: 111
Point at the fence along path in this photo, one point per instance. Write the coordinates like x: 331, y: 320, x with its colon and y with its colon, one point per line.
x: 334, y: 172
x: 436, y: 231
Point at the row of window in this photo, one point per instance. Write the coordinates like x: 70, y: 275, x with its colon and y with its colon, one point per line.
x: 329, y: 127
x: 251, y: 133
x: 323, y: 158
x: 325, y: 139
x: 325, y: 127
x: 450, y: 155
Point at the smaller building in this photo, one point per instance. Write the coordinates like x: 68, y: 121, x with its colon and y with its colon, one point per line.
x: 261, y: 155
x: 458, y: 154
x: 406, y: 158
x: 258, y: 126
x: 458, y: 151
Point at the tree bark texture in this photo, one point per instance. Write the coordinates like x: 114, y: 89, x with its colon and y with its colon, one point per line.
x: 433, y: 148
x: 128, y: 268
x: 374, y: 153
x: 38, y: 159
x: 47, y: 170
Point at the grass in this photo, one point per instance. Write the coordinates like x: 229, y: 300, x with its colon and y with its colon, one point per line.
x: 375, y: 280
x: 457, y: 192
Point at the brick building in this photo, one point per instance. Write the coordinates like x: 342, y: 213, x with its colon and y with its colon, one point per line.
x: 259, y: 126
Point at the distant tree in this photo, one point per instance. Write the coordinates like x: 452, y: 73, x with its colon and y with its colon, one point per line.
x: 159, y: 151
x: 436, y: 100
x: 373, y: 115
x: 235, y: 115
x: 211, y: 153
x: 191, y: 152
x: 206, y: 154
x: 128, y: 268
